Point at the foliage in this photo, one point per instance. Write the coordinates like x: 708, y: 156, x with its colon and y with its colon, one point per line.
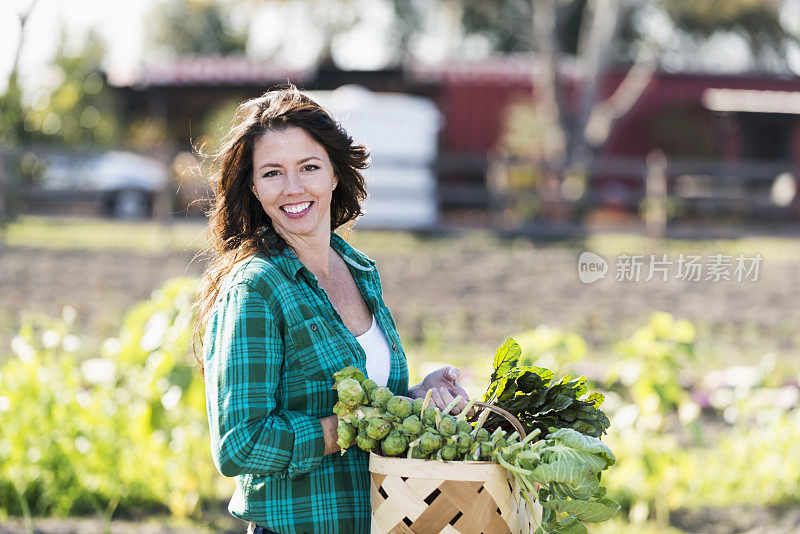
x: 216, y: 123
x: 122, y: 431
x: 757, y: 21
x: 12, y: 112
x: 532, y: 396
x: 650, y: 364
x: 547, y: 346
x: 194, y: 27
x: 567, y: 465
x: 79, y: 110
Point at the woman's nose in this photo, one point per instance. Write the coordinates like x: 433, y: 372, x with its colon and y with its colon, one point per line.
x: 292, y: 185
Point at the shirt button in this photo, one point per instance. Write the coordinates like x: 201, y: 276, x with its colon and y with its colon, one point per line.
x: 394, y: 346
x: 314, y: 327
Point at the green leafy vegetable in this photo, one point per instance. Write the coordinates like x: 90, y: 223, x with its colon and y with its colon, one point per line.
x: 531, y: 394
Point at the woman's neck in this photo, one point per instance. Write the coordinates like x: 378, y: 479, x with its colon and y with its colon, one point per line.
x: 314, y: 253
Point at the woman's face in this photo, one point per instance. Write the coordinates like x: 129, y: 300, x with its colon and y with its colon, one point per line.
x: 293, y: 179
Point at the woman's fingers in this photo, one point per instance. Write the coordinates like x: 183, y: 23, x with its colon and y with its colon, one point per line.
x: 436, y: 398
x: 461, y: 405
x: 446, y: 396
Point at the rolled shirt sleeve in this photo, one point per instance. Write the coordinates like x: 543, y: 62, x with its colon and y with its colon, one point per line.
x: 243, y: 358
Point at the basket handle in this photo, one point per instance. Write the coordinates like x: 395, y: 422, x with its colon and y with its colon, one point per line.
x: 506, y: 414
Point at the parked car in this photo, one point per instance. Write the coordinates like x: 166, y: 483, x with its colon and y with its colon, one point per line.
x: 124, y: 184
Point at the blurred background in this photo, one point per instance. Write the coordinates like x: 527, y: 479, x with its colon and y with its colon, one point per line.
x: 507, y: 138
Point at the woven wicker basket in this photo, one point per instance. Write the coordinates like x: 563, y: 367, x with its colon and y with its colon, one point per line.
x: 431, y: 497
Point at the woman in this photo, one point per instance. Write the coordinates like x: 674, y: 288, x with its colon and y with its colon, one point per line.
x: 286, y: 304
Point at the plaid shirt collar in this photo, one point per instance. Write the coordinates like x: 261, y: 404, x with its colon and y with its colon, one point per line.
x: 288, y: 262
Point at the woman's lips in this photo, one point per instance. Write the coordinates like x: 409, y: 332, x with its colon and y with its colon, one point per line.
x: 299, y: 214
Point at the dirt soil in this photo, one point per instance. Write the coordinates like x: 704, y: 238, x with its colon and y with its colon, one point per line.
x: 457, y: 292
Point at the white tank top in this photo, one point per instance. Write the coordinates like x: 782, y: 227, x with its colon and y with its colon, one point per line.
x: 379, y: 356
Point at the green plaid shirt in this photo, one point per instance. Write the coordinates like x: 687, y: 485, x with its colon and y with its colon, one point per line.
x: 273, y: 341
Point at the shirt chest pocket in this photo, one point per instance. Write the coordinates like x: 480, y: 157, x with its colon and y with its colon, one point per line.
x: 316, y: 350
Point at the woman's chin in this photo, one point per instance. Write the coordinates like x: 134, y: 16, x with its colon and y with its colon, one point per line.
x: 300, y: 228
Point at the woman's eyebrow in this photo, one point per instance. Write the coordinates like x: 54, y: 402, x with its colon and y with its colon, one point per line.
x: 300, y: 162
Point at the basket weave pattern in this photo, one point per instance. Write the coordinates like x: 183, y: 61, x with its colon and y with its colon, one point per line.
x: 427, y: 497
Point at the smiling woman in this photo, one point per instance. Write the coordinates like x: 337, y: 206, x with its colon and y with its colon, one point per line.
x: 287, y: 303
x: 296, y: 190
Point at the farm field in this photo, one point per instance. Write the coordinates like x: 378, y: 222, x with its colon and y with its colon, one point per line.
x: 456, y: 296
x: 455, y: 299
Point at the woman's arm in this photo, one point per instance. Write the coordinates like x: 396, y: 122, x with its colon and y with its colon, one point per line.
x: 243, y: 367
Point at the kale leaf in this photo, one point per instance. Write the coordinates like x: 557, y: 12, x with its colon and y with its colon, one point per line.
x: 531, y: 394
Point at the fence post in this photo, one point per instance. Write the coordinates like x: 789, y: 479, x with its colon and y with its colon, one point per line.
x: 655, y: 202
x: 497, y: 188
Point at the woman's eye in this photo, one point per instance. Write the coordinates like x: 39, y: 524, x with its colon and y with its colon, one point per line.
x: 270, y: 174
x: 310, y: 168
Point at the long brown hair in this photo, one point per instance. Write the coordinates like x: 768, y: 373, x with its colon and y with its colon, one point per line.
x: 238, y: 227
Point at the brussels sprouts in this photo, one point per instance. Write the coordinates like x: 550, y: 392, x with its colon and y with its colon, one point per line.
x: 429, y: 417
x: 447, y: 426
x: 486, y: 450
x: 429, y: 442
x: 363, y: 414
x: 418, y: 454
x: 347, y: 372
x: 380, y: 396
x: 394, y: 444
x: 399, y: 406
x: 463, y: 442
x: 416, y: 406
x: 396, y: 421
x: 464, y: 426
x: 341, y: 409
x: 412, y: 426
x: 365, y: 442
x: 449, y: 452
x: 499, y: 443
x: 347, y: 434
x: 482, y: 435
x: 378, y: 427
x: 350, y: 392
x: 368, y: 386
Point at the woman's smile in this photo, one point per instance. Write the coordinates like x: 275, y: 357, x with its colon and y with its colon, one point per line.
x: 295, y: 211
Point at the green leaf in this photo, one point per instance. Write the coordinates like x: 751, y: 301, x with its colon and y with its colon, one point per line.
x: 505, y: 358
x: 561, y: 452
x: 569, y: 525
x: 584, y: 443
x: 533, y: 378
x: 595, y: 398
x: 506, y: 387
x: 593, y: 511
x: 567, y: 479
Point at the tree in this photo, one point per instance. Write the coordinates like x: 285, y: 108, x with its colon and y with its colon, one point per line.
x: 194, y: 27
x: 11, y: 112
x: 79, y: 111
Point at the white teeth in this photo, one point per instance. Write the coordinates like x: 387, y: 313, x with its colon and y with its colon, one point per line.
x: 296, y: 208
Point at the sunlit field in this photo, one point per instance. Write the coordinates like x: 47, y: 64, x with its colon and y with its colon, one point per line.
x: 102, y: 406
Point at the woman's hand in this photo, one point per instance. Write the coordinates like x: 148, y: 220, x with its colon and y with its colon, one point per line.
x: 330, y: 432
x: 444, y: 388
